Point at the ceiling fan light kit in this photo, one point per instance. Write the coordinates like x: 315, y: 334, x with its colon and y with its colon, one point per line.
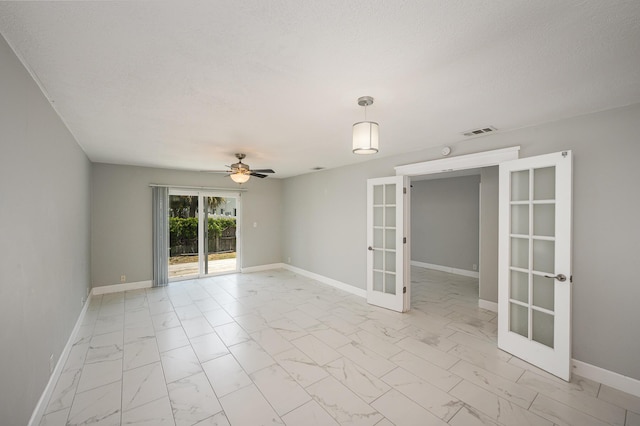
x: 365, y: 133
x: 239, y: 177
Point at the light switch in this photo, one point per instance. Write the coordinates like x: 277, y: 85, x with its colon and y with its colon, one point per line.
x: 255, y: 224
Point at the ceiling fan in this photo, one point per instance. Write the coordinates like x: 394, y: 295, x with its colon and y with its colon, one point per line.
x: 240, y: 172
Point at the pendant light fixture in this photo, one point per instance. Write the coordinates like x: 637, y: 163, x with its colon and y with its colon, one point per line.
x: 365, y: 133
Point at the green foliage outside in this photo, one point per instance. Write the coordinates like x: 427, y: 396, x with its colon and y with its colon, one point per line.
x: 219, y: 224
x: 183, y: 230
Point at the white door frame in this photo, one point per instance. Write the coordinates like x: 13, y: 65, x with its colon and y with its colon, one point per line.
x: 462, y: 162
x: 445, y: 165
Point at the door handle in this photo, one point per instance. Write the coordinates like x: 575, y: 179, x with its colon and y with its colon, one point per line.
x: 560, y: 277
x: 370, y: 248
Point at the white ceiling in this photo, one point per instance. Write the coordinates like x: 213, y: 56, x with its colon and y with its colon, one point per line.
x: 186, y: 84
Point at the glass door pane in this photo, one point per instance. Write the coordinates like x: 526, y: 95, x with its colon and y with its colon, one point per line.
x: 220, y: 235
x: 532, y: 239
x: 183, y: 236
x: 384, y: 241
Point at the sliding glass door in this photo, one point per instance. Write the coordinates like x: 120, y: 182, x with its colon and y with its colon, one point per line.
x: 202, y: 233
x: 184, y: 250
x: 220, y: 241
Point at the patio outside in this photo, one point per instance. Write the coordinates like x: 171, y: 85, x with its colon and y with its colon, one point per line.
x: 181, y: 266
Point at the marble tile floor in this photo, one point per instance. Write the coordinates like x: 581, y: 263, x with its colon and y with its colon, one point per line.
x: 277, y: 348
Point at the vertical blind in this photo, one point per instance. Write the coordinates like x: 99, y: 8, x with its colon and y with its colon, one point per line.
x: 160, y: 235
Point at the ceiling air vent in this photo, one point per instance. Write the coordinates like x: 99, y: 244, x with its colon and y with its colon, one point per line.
x: 480, y: 131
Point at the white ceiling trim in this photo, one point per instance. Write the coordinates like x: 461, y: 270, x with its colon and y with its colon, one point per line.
x: 463, y: 162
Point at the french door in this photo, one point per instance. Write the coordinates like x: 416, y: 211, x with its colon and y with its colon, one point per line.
x: 534, y: 262
x: 203, y: 233
x: 534, y: 278
x: 387, y: 250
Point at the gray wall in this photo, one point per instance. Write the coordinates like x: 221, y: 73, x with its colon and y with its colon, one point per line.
x: 606, y: 237
x: 44, y: 224
x: 325, y: 221
x: 488, y: 285
x: 445, y: 221
x: 121, y: 232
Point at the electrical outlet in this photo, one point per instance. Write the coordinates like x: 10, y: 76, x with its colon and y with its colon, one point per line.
x: 475, y: 267
x: 52, y: 364
x: 123, y: 278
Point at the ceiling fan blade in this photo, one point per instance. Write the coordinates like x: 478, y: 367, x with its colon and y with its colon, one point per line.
x: 263, y: 170
x: 258, y: 175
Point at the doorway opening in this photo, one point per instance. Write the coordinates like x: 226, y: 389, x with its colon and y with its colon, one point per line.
x: 462, y: 164
x: 445, y: 222
x: 447, y: 227
x: 202, y: 234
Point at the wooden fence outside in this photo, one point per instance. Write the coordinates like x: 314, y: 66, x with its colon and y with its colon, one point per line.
x: 224, y: 243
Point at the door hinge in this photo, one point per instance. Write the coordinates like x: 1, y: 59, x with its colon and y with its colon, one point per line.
x: 404, y: 290
x: 404, y: 190
x: 404, y: 240
x: 571, y: 278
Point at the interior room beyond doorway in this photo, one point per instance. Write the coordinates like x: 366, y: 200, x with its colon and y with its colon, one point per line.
x: 451, y: 303
x: 454, y: 227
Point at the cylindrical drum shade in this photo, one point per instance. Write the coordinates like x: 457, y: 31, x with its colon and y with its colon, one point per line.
x: 365, y: 137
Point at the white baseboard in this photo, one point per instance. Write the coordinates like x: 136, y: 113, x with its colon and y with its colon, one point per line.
x: 329, y: 281
x: 488, y: 305
x: 41, y: 406
x: 472, y: 274
x: 606, y: 377
x: 260, y: 268
x: 321, y: 278
x: 116, y: 288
